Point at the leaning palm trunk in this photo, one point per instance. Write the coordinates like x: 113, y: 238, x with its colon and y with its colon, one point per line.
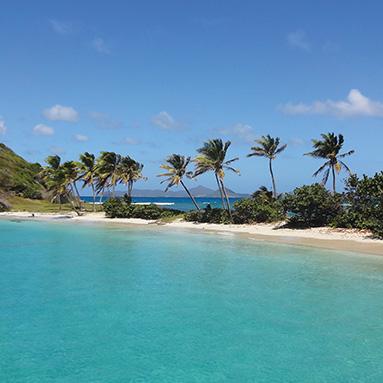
x: 220, y: 191
x: 189, y: 194
x: 78, y: 194
x: 227, y: 200
x: 273, y: 180
x: 74, y: 207
x: 94, y: 198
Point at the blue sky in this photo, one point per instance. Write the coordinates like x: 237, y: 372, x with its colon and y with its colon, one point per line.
x: 152, y: 78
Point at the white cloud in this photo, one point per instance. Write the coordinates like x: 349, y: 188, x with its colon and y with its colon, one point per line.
x: 43, y: 130
x: 61, y: 113
x: 56, y: 150
x: 100, y: 46
x: 295, y: 141
x: 61, y: 27
x: 298, y: 39
x: 166, y: 122
x: 239, y: 133
x: 81, y: 138
x: 3, y: 128
x: 104, y: 121
x: 356, y: 105
x: 132, y: 141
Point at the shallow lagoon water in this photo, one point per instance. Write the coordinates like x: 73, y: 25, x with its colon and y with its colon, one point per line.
x: 89, y: 303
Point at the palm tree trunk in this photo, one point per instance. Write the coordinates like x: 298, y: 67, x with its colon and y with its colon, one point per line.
x: 273, y: 180
x: 333, y: 178
x: 227, y: 200
x: 187, y: 191
x: 78, y: 194
x: 220, y: 191
x: 94, y: 198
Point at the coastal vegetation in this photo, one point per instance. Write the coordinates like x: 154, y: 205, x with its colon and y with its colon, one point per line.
x: 359, y: 206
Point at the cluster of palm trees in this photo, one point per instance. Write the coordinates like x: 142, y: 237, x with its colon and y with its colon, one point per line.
x: 111, y: 169
x: 102, y: 173
x: 212, y: 157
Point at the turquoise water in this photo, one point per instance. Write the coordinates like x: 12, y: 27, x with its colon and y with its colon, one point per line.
x: 85, y: 303
x: 184, y: 204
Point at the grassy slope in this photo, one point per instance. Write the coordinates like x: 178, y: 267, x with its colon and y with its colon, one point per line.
x: 15, y: 173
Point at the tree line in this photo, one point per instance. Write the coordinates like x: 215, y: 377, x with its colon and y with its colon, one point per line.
x: 110, y: 169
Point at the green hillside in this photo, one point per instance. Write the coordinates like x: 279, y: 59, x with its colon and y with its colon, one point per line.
x: 18, y: 176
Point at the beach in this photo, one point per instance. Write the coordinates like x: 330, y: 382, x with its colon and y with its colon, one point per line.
x: 354, y: 240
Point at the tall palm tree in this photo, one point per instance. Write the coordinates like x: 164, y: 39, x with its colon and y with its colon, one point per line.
x: 87, y: 166
x: 108, y: 170
x: 176, y: 168
x: 268, y: 148
x: 329, y: 149
x: 130, y: 172
x: 212, y: 157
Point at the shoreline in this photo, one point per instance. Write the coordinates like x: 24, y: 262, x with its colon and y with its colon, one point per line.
x: 353, y: 240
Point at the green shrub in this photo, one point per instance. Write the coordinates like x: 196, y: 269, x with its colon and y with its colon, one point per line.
x: 114, y: 208
x: 32, y: 193
x: 256, y: 210
x: 312, y: 205
x: 215, y: 215
x: 364, y: 209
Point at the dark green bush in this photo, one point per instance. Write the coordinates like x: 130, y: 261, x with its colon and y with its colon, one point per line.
x: 114, y: 208
x: 118, y: 208
x: 364, y: 208
x: 215, y: 215
x: 312, y: 205
x: 256, y: 210
x: 32, y: 193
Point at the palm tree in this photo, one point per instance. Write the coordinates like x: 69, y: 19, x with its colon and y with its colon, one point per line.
x: 329, y: 149
x: 87, y: 166
x: 108, y: 170
x: 130, y: 172
x: 71, y: 172
x: 268, y: 148
x: 212, y: 157
x: 176, y: 169
x: 54, y: 177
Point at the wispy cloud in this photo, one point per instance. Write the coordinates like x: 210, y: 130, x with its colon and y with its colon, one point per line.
x: 295, y: 141
x: 43, y: 130
x: 132, y: 141
x: 56, y: 150
x: 62, y: 27
x: 104, y: 121
x: 166, y: 122
x: 61, y: 113
x: 238, y: 133
x: 81, y: 138
x: 3, y: 128
x: 298, y: 39
x: 100, y: 46
x: 356, y: 105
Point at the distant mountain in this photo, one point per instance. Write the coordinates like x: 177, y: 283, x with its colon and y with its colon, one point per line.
x: 198, y: 191
x: 230, y: 193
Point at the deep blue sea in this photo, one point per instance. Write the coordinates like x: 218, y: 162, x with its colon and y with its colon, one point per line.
x: 82, y: 302
x: 184, y: 204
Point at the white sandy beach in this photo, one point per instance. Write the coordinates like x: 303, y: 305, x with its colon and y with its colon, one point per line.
x: 339, y: 239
